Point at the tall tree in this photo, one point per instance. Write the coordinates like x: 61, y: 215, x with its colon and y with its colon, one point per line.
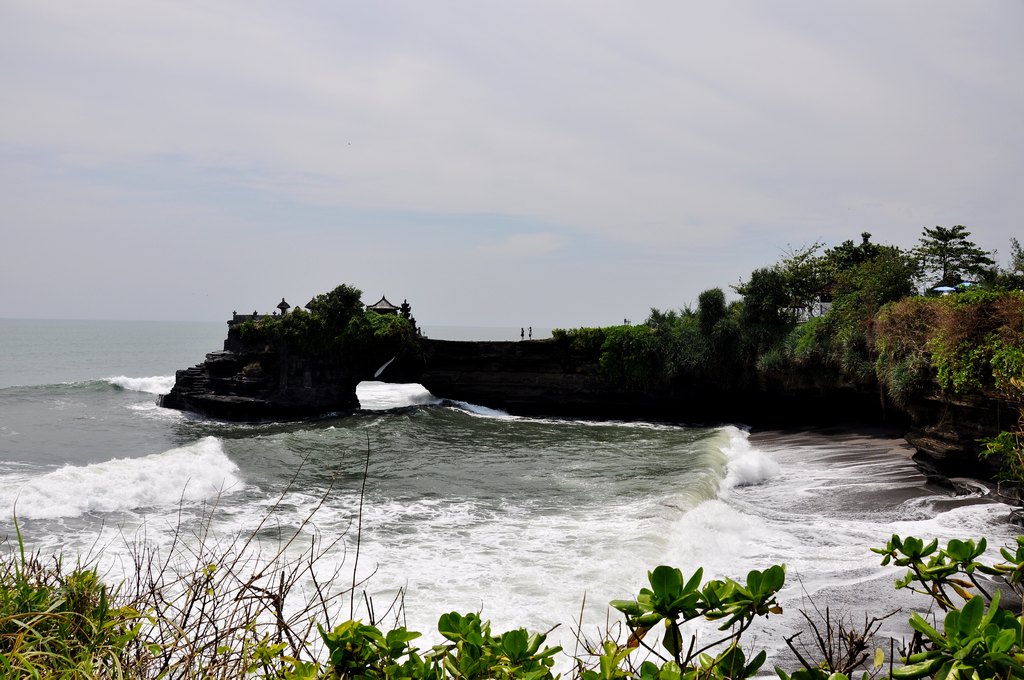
x: 848, y: 254
x: 948, y: 253
x: 338, y: 306
x: 1016, y: 257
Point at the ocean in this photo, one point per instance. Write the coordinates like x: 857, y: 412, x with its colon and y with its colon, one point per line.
x: 461, y: 507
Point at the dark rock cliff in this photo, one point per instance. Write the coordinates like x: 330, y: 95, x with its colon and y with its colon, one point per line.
x: 948, y: 432
x: 548, y: 377
x: 253, y: 382
x: 539, y: 377
x: 262, y: 385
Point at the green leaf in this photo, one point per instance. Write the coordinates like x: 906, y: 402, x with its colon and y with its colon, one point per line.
x: 917, y: 670
x: 775, y: 578
x: 969, y: 618
x: 694, y: 582
x: 628, y: 607
x: 921, y: 626
x: 755, y: 664
x: 514, y: 644
x: 673, y: 640
x: 667, y: 582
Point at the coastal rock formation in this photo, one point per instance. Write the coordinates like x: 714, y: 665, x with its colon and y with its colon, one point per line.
x: 249, y: 382
x: 947, y: 432
x: 541, y: 377
x: 549, y: 378
x: 251, y: 386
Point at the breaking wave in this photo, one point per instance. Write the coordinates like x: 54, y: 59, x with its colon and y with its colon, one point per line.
x: 157, y: 384
x: 196, y: 472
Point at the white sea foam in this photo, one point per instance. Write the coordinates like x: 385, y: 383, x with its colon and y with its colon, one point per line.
x: 150, y: 409
x: 156, y: 384
x: 748, y: 465
x: 196, y: 472
x: 381, y: 396
x: 480, y: 410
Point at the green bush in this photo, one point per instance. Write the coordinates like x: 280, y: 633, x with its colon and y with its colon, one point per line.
x: 336, y: 326
x: 632, y: 356
x: 586, y: 341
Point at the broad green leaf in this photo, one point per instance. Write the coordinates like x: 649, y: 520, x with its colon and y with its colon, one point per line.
x: 969, y: 619
x: 921, y: 626
x: 755, y: 663
x: 673, y: 640
x: 694, y: 581
x: 667, y: 582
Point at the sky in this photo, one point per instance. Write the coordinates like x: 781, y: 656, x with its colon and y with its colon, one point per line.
x: 550, y: 163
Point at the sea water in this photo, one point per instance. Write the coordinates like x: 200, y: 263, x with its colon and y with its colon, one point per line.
x: 453, y: 506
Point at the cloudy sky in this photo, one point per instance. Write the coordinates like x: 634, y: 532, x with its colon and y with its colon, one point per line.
x: 545, y: 163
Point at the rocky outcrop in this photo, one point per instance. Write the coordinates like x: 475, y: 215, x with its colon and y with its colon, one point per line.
x: 249, y: 383
x: 255, y: 386
x: 548, y: 377
x: 541, y: 377
x: 947, y: 432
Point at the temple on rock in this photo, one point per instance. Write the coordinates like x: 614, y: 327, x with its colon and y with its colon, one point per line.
x: 237, y: 318
x: 382, y: 306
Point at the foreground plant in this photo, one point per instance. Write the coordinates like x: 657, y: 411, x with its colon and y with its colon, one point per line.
x: 674, y: 601
x: 60, y: 622
x: 975, y: 641
x: 225, y: 617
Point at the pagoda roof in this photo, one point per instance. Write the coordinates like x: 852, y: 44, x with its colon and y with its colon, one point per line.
x: 383, y: 304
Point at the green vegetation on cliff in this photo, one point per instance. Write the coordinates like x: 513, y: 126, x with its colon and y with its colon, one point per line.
x: 335, y: 324
x: 849, y: 316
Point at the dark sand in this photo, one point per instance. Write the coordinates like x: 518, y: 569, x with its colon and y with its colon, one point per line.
x: 877, y: 484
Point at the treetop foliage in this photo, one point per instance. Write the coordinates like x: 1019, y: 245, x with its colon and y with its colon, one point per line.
x: 948, y: 256
x: 336, y: 324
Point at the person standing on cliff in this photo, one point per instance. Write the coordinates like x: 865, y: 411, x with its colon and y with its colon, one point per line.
x: 531, y: 333
x: 522, y: 333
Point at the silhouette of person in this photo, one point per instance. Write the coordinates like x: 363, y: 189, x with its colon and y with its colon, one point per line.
x: 522, y: 334
x: 531, y: 332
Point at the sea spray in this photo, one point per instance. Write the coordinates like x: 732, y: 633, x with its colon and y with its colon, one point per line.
x: 381, y: 396
x: 748, y: 465
x: 157, y: 384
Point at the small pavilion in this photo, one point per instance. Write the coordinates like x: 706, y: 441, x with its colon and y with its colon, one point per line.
x: 382, y: 306
x: 283, y: 306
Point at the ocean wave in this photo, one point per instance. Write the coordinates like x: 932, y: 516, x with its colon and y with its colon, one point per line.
x: 197, y: 472
x: 30, y: 390
x: 747, y: 465
x: 156, y: 384
x: 382, y: 396
x: 478, y: 410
